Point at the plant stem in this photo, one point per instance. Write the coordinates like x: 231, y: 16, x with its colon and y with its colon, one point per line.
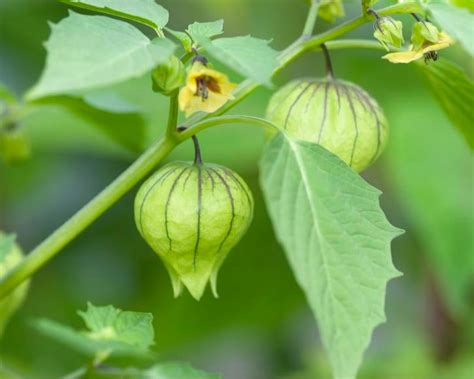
x: 311, y: 19
x: 150, y: 158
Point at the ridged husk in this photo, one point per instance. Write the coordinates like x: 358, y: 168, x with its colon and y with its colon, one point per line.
x: 339, y: 115
x: 192, y: 215
x: 10, y: 304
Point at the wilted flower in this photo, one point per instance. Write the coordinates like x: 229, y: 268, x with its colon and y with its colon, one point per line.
x: 389, y: 32
x: 426, y: 41
x: 206, y: 90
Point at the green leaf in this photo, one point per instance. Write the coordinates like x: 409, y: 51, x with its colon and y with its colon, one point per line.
x: 177, y: 370
x: 109, y: 323
x: 430, y: 168
x: 457, y: 22
x: 87, y: 52
x: 111, y: 331
x: 337, y: 240
x: 84, y: 344
x: 107, y: 112
x: 206, y: 29
x: 250, y: 57
x: 146, y: 12
x: 6, y: 244
x: 455, y: 92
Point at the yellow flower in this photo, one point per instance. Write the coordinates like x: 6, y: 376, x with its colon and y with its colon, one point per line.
x: 428, y: 50
x: 206, y: 90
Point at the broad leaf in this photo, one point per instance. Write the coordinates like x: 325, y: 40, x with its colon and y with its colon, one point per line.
x: 6, y: 245
x: 113, y: 116
x: 86, y: 52
x: 206, y: 29
x: 430, y: 168
x: 457, y: 22
x: 109, y: 323
x: 250, y: 57
x: 337, y: 240
x: 110, y: 331
x: 177, y: 370
x: 146, y: 12
x: 455, y: 92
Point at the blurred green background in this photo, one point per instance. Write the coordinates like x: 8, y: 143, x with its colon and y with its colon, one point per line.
x: 260, y: 327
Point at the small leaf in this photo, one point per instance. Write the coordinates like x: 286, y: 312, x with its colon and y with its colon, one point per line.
x: 6, y: 245
x: 109, y: 323
x: 455, y: 92
x: 84, y: 344
x: 86, y: 52
x: 206, y: 29
x: 177, y: 370
x: 112, y: 115
x: 248, y: 56
x: 146, y: 12
x: 337, y: 240
x: 457, y: 22
x: 111, y: 331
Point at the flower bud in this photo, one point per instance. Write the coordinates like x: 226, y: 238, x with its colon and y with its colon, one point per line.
x: 389, y: 32
x: 338, y: 115
x: 329, y: 10
x: 15, y: 145
x: 424, y: 32
x: 192, y: 215
x: 169, y: 76
x: 10, y: 303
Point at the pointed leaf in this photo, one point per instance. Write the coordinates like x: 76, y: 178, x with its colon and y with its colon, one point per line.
x: 86, y: 52
x: 206, y: 29
x: 146, y: 12
x: 455, y: 92
x: 251, y: 57
x: 337, y: 240
x: 110, y: 323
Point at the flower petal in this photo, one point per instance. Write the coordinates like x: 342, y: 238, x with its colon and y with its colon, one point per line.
x: 403, y: 56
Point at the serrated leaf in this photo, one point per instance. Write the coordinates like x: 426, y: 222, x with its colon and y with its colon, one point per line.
x: 177, y: 370
x: 6, y: 245
x: 146, y: 12
x: 457, y: 22
x: 455, y: 92
x: 87, y: 52
x: 110, y: 323
x: 108, y: 113
x: 251, y: 57
x: 84, y: 344
x: 206, y: 29
x: 337, y: 240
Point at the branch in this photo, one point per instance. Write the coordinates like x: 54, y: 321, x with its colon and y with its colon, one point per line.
x: 150, y: 158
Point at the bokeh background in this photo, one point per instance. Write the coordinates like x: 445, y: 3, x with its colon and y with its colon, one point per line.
x: 260, y: 327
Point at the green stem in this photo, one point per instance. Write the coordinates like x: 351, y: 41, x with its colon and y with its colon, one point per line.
x: 311, y: 19
x: 150, y: 158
